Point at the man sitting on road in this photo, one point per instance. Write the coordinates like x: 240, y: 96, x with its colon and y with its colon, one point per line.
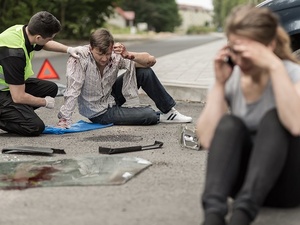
x: 104, y: 97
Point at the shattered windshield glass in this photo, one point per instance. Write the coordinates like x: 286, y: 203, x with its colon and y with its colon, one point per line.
x: 79, y: 171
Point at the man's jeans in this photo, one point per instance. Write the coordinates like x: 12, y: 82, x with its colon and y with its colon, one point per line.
x: 118, y: 115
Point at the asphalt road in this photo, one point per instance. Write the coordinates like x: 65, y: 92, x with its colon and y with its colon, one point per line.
x: 165, y: 46
x: 166, y: 193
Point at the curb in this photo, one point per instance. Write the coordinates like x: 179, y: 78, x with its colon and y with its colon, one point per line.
x: 188, y: 94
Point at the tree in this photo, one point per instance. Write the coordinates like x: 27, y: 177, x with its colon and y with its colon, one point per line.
x: 78, y: 18
x: 83, y: 16
x: 223, y: 8
x: 159, y: 15
x: 14, y: 12
x: 217, y: 13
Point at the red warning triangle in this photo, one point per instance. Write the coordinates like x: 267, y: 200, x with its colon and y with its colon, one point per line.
x: 47, y: 71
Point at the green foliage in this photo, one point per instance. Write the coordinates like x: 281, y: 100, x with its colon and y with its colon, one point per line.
x: 13, y: 12
x: 116, y: 29
x: 199, y: 30
x: 159, y: 15
x: 223, y: 8
x: 78, y: 17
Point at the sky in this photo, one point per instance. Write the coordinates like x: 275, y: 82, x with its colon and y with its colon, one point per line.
x: 204, y: 3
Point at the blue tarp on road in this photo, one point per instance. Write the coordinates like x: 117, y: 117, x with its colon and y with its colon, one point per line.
x: 80, y: 126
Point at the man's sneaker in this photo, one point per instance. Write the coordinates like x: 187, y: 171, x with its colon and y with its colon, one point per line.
x: 173, y: 116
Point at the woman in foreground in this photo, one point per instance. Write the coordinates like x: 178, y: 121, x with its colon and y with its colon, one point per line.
x: 251, y: 122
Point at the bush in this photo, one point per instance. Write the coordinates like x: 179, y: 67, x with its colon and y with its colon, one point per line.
x: 199, y: 30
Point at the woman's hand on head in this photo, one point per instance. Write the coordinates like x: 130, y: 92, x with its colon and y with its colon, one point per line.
x: 222, y: 68
x: 258, y: 54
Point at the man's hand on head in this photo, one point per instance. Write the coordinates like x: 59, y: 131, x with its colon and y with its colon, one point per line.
x: 121, y: 49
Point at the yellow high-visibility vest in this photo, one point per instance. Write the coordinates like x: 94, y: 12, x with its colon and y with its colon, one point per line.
x: 12, y: 43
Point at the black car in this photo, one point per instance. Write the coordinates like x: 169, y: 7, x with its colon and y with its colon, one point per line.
x: 289, y: 15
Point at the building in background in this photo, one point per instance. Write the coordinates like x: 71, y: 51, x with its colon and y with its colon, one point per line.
x: 194, y: 16
x: 122, y: 18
